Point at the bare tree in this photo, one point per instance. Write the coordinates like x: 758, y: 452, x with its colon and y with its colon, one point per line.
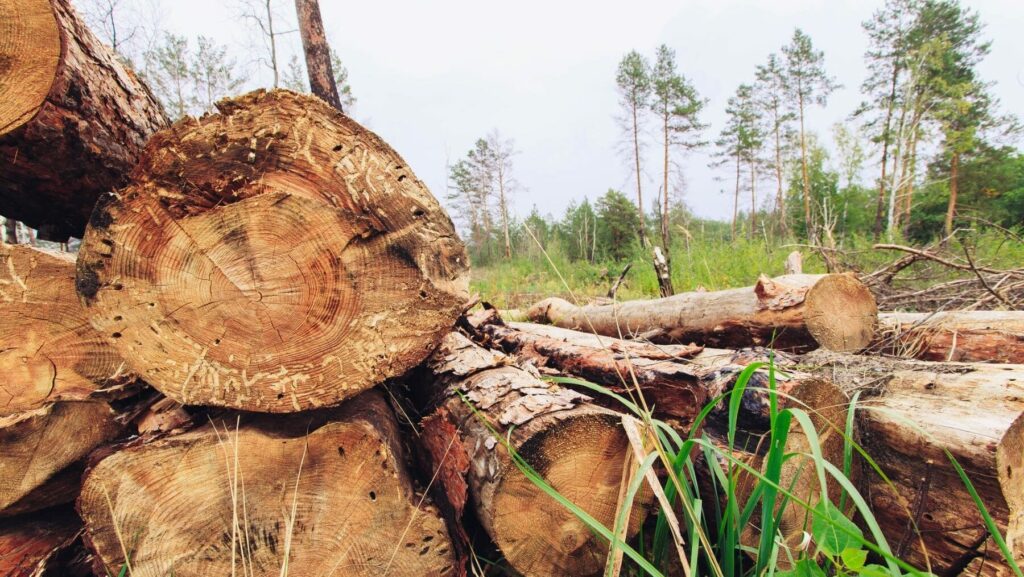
x: 501, y: 152
x: 263, y: 16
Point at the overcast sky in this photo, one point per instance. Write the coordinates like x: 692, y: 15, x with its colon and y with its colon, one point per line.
x: 432, y: 76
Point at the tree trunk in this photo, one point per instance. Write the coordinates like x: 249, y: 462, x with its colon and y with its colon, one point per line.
x: 275, y: 257
x: 879, y: 209
x: 664, y: 273
x: 794, y: 263
x: 73, y: 118
x: 968, y: 336
x: 247, y: 493
x: 806, y: 177
x: 954, y: 176
x: 665, y: 236
x: 636, y: 158
x: 780, y: 205
x: 579, y: 448
x: 60, y: 377
x: 796, y: 312
x: 44, y: 545
x: 736, y: 196
x: 972, y: 411
x: 318, y: 52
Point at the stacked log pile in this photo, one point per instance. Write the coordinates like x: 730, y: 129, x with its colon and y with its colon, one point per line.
x: 262, y: 361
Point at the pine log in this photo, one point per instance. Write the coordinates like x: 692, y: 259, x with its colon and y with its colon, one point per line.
x: 922, y: 410
x: 793, y: 313
x: 579, y: 448
x: 60, y: 378
x: 967, y: 336
x: 44, y: 545
x: 319, y: 493
x: 275, y: 257
x: 73, y: 117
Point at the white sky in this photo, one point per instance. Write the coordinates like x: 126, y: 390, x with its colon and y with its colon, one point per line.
x: 432, y: 76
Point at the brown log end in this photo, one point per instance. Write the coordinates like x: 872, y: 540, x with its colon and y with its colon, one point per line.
x: 290, y: 259
x: 48, y: 350
x: 313, y: 494
x: 841, y: 313
x: 30, y: 48
x: 1010, y: 467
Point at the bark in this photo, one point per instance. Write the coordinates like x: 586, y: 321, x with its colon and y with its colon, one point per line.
x: 954, y: 176
x: 974, y: 412
x: 579, y: 448
x: 636, y: 158
x: 44, y: 545
x: 803, y: 167
x: 73, y: 118
x: 665, y: 236
x: 677, y: 381
x: 275, y: 257
x: 317, y: 51
x: 780, y: 207
x: 247, y: 493
x: 60, y: 378
x: 968, y: 336
x: 797, y: 312
x: 736, y: 195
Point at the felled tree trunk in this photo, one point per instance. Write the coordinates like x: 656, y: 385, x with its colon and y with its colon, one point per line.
x: 797, y: 312
x: 974, y: 411
x: 73, y: 117
x: 968, y: 336
x: 59, y: 380
x: 579, y: 448
x: 275, y: 257
x: 45, y: 545
x: 320, y: 493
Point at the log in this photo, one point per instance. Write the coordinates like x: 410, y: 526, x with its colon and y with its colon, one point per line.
x: 274, y: 257
x: 795, y: 313
x: 45, y: 545
x: 60, y: 381
x: 967, y: 336
x: 578, y: 447
x: 974, y: 411
x: 73, y: 117
x: 320, y: 493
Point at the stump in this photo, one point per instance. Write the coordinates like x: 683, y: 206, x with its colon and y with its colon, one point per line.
x: 579, y: 448
x: 73, y: 117
x: 275, y: 257
x: 60, y: 377
x: 795, y: 312
x: 319, y: 493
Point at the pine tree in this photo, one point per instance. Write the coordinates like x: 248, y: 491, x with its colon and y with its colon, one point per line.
x: 770, y: 94
x: 169, y: 71
x: 348, y: 100
x: 808, y: 84
x: 740, y: 144
x: 634, y: 82
x: 677, y: 106
x: 212, y: 73
x: 617, y: 222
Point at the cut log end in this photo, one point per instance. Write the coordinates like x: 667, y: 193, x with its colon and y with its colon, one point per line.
x: 303, y: 495
x: 581, y: 457
x: 29, y: 56
x: 841, y: 313
x: 47, y: 348
x: 281, y: 269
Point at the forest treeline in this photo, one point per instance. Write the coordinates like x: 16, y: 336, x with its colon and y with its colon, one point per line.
x: 926, y: 151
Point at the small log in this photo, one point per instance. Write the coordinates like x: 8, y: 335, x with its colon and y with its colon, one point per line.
x: 275, y: 257
x: 60, y: 378
x: 795, y: 313
x: 320, y: 493
x: 44, y: 545
x: 73, y: 117
x: 966, y: 336
x: 974, y: 411
x: 579, y: 448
